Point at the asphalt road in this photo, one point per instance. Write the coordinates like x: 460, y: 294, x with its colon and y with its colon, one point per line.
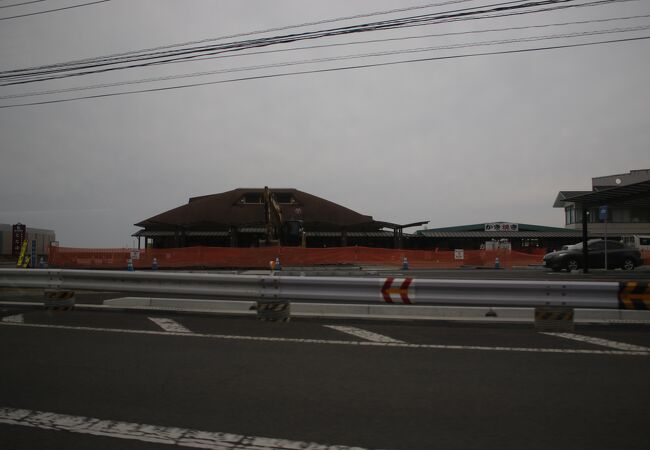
x: 395, y: 385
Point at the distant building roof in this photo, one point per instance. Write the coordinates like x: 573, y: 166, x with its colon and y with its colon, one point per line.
x: 616, y: 187
x: 480, y: 227
x: 244, y: 207
x: 564, y: 196
x: 630, y: 195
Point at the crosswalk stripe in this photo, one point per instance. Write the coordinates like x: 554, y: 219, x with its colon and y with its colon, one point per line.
x: 601, y: 342
x: 363, y: 334
x: 182, y: 437
x: 169, y: 325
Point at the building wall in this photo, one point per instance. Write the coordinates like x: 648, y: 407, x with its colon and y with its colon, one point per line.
x: 43, y: 239
x: 614, y: 228
x: 619, y: 220
x: 635, y: 176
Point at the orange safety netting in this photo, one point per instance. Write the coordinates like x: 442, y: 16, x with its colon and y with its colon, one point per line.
x: 230, y: 257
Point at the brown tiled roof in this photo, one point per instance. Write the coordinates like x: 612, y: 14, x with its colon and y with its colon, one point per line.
x: 224, y: 210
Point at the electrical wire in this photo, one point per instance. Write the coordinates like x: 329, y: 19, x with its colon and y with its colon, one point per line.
x: 335, y: 69
x: 21, y: 4
x: 54, y: 10
x: 268, y: 30
x: 336, y: 58
x: 102, y: 61
x: 21, y: 76
x: 405, y: 38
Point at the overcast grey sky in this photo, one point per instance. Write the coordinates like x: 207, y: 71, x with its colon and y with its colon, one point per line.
x: 455, y: 142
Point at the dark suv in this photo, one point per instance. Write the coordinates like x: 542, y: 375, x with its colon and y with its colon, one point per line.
x: 571, y: 258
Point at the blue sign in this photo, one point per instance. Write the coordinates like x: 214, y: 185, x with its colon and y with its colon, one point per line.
x: 32, y: 262
x: 602, y: 213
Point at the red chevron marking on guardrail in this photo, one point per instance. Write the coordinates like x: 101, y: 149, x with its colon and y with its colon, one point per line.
x: 403, y: 290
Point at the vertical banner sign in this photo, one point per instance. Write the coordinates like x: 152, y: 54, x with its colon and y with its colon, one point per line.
x: 33, y: 256
x: 21, y: 256
x: 18, y: 233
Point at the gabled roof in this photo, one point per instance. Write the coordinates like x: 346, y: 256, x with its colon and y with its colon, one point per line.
x: 227, y: 209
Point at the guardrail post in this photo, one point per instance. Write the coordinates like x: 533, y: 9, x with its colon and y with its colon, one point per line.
x: 57, y: 299
x: 270, y: 307
x: 554, y: 318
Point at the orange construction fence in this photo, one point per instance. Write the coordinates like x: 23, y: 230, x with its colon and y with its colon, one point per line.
x: 230, y: 257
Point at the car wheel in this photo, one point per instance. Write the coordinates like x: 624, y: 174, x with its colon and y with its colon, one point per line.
x: 555, y: 269
x: 628, y: 264
x: 572, y: 264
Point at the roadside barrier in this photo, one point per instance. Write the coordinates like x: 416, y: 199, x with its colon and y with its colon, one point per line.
x: 634, y: 295
x: 554, y: 318
x: 405, y: 291
x: 232, y: 257
x: 273, y: 310
x: 59, y: 300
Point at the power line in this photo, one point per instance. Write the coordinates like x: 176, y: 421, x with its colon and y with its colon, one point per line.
x: 145, y: 60
x: 335, y: 69
x: 21, y: 4
x: 405, y: 38
x: 54, y: 10
x: 140, y: 56
x: 269, y: 30
x: 336, y: 58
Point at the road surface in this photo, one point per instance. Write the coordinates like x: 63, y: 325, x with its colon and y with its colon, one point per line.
x: 130, y: 380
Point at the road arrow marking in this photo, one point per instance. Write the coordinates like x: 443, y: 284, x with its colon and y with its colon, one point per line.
x: 169, y: 325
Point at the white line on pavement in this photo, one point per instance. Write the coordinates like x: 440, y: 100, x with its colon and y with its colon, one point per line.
x: 169, y: 325
x: 363, y: 334
x: 16, y: 318
x: 333, y: 342
x: 602, y: 342
x: 183, y: 437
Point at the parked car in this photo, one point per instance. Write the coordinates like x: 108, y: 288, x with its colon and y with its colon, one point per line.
x: 571, y: 258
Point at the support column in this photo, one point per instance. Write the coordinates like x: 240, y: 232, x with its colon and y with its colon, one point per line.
x: 585, y: 238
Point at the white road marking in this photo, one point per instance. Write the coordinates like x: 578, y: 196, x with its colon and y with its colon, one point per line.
x: 603, y: 342
x: 169, y: 325
x: 333, y: 342
x: 183, y: 437
x: 16, y: 318
x: 363, y: 334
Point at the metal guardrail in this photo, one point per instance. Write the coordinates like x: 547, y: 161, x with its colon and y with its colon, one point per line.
x: 577, y: 294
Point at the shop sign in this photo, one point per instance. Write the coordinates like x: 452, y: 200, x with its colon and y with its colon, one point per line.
x: 502, y: 226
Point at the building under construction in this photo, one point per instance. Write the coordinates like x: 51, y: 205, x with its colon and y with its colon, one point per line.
x: 292, y: 218
x: 261, y: 216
